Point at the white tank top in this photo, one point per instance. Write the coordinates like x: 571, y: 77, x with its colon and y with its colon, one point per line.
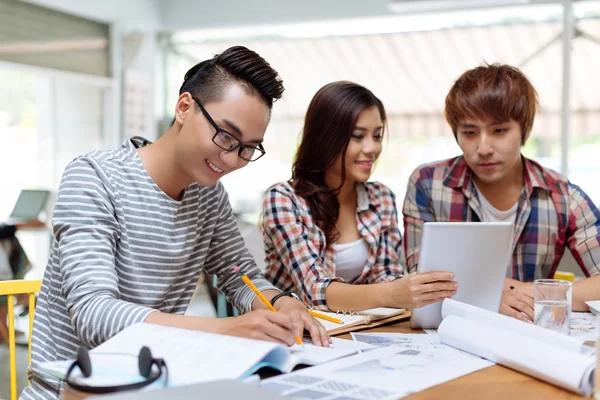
x: 492, y: 214
x: 350, y: 259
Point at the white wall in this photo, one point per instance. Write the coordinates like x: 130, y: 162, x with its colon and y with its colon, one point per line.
x: 170, y: 15
x: 78, y: 121
x: 131, y: 15
x: 195, y: 14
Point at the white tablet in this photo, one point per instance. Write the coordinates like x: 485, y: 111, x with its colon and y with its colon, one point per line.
x: 478, y: 253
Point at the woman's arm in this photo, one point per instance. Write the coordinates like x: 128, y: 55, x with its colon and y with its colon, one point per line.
x: 286, y: 233
x: 410, y: 291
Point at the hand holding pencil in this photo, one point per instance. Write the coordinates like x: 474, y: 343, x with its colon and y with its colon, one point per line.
x: 258, y: 293
x: 296, y: 310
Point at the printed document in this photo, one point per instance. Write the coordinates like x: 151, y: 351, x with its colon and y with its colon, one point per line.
x: 396, y: 370
x: 544, y: 354
x: 192, y: 356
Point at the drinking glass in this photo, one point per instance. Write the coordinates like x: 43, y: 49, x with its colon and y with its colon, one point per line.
x: 552, y: 304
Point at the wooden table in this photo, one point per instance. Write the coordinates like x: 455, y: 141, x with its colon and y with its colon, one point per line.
x: 495, y: 382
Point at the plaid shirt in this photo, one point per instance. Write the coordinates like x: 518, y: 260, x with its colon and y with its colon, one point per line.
x: 552, y: 213
x: 297, y: 256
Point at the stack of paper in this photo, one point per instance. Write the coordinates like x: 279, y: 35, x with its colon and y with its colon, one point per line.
x: 544, y: 354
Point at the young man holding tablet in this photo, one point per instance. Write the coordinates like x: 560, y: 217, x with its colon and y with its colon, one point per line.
x: 491, y: 110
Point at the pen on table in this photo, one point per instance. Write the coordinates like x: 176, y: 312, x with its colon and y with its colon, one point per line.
x: 325, y: 317
x: 522, y: 313
x: 261, y: 296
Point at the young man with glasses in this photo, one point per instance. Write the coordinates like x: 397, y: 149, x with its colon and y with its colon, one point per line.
x: 136, y: 226
x: 491, y: 110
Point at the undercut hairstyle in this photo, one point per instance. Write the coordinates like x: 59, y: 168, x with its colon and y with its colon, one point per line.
x: 328, y: 126
x: 498, y: 92
x: 208, y: 79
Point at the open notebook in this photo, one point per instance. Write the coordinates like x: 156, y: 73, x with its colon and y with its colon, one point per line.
x: 191, y: 356
x: 363, y: 319
x: 550, y: 356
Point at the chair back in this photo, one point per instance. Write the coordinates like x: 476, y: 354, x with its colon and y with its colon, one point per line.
x: 10, y: 289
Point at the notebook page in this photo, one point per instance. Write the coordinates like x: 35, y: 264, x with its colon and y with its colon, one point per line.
x: 346, y: 319
x: 191, y: 356
x: 382, y: 312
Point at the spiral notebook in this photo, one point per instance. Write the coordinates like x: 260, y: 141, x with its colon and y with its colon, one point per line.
x: 363, y: 319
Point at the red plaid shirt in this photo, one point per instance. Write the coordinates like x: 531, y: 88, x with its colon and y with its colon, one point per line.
x: 297, y: 256
x: 552, y: 213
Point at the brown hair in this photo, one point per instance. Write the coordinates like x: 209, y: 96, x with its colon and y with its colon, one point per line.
x: 328, y: 125
x: 497, y: 91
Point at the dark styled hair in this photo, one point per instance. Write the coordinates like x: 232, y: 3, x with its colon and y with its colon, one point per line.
x: 497, y: 91
x: 328, y: 125
x: 208, y: 79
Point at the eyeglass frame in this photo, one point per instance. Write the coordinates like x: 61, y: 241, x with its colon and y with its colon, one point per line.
x: 241, y: 146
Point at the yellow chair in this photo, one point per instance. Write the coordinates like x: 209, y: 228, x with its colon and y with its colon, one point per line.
x: 567, y: 276
x: 10, y: 289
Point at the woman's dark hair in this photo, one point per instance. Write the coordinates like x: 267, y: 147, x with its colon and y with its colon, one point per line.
x: 330, y: 120
x: 208, y: 79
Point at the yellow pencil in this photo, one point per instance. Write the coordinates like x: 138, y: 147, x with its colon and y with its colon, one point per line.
x: 261, y: 296
x: 325, y: 317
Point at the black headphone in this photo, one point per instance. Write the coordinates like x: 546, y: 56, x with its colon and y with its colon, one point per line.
x: 145, y: 363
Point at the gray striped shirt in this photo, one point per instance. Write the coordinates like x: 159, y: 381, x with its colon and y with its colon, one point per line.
x: 124, y: 249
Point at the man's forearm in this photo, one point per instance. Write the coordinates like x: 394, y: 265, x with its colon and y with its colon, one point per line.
x: 257, y: 303
x: 585, y: 290
x: 184, y: 321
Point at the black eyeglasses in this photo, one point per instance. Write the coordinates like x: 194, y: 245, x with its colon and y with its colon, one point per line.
x: 228, y: 142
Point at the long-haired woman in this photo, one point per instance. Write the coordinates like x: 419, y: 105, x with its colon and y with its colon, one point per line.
x: 330, y: 235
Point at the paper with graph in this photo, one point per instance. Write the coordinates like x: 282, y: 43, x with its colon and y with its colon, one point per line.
x: 405, y: 364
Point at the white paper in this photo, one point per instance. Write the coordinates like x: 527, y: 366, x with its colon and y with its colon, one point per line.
x: 594, y: 306
x: 310, y: 354
x: 584, y: 326
x: 453, y: 307
x: 191, y: 356
x: 346, y: 320
x: 430, y: 343
x: 527, y: 348
x: 389, y: 372
x: 345, y: 344
x: 382, y: 312
x: 374, y: 314
x: 405, y: 340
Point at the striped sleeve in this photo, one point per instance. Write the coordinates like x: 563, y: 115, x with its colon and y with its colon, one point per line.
x: 86, y: 230
x: 584, y: 231
x: 227, y: 250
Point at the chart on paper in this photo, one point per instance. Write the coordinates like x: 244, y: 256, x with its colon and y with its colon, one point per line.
x: 389, y: 372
